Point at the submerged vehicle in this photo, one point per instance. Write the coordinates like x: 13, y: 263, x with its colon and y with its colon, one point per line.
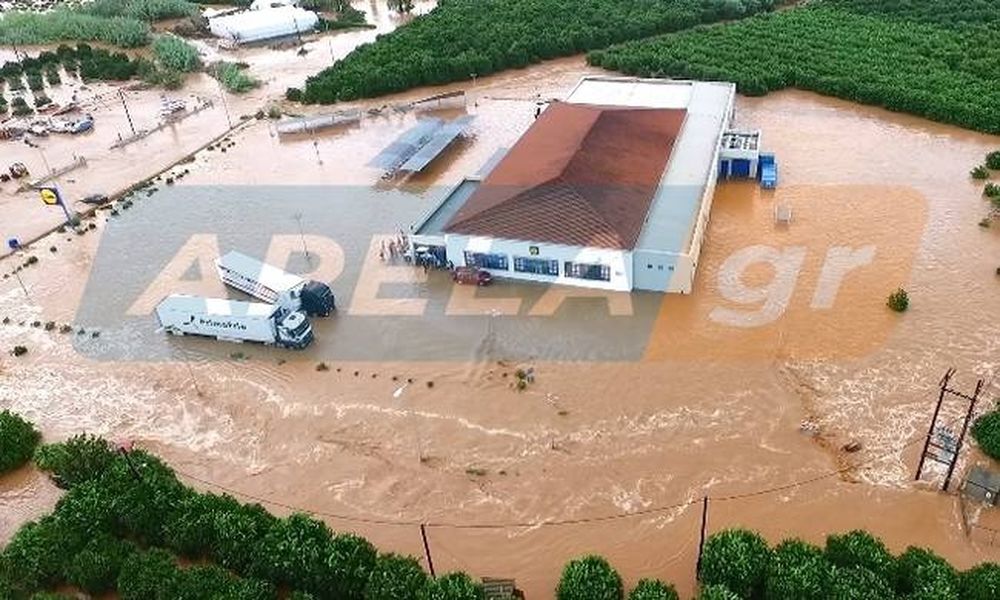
x: 471, y: 275
x: 234, y: 321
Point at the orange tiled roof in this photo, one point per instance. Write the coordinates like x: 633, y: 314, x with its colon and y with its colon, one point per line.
x: 582, y: 175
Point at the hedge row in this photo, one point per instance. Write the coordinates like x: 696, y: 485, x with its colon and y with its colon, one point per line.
x: 854, y: 565
x: 122, y: 23
x: 461, y: 39
x: 125, y: 516
x: 944, y: 73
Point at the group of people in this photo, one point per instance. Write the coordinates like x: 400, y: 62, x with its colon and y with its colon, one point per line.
x: 395, y: 248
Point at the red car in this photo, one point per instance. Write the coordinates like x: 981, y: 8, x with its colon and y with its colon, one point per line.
x: 471, y: 275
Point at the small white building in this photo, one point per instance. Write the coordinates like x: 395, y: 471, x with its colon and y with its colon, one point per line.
x: 611, y: 189
x: 263, y: 24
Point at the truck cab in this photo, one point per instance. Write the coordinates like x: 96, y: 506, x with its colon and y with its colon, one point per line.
x: 294, y: 330
x: 316, y: 299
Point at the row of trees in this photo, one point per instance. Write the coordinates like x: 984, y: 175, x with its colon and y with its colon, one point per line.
x: 125, y: 519
x: 464, y: 38
x: 950, y: 13
x: 123, y: 23
x: 946, y: 74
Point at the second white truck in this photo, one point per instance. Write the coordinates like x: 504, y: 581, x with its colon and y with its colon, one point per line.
x: 234, y: 321
x: 275, y: 286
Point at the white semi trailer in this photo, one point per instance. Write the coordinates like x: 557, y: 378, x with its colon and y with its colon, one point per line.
x: 274, y: 286
x: 234, y: 321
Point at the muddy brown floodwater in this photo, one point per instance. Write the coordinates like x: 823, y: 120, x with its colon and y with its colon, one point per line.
x: 744, y: 397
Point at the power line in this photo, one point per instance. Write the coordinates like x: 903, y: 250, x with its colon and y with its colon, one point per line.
x: 576, y: 521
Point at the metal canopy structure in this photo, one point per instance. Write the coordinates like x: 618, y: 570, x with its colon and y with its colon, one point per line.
x: 442, y: 138
x: 420, y: 145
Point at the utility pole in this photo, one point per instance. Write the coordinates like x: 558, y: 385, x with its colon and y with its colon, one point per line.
x: 701, y: 539
x: 17, y: 275
x: 225, y: 106
x: 427, y: 550
x: 302, y: 237
x: 121, y: 94
x: 941, y: 445
x: 194, y: 380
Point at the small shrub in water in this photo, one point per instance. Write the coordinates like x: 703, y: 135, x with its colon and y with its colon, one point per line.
x: 899, y: 300
x: 18, y: 439
x: 993, y: 160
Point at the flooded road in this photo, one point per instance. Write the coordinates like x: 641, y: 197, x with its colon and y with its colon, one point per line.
x: 754, y: 417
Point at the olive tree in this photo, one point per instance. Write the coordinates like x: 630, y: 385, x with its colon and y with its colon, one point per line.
x: 589, y: 578
x: 80, y: 458
x: 653, y: 589
x: 797, y: 571
x: 986, y: 432
x: 96, y: 568
x: 737, y: 559
x: 453, y: 586
x: 147, y: 575
x: 395, y: 577
x: 717, y: 592
x: 858, y: 583
x: 350, y: 559
x: 981, y: 582
x: 18, y: 439
x: 861, y: 549
x: 922, y: 574
x: 293, y: 552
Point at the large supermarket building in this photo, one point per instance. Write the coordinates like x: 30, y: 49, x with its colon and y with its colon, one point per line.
x: 610, y: 189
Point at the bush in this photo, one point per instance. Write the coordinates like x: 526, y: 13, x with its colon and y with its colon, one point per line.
x: 96, y: 568
x: 175, y: 54
x: 147, y: 576
x: 736, y: 559
x: 716, y: 592
x: 981, y: 582
x: 991, y: 190
x: 34, y: 558
x: 923, y: 574
x: 237, y: 532
x: 191, y: 530
x: 797, y: 570
x: 395, y: 578
x: 986, y: 432
x: 589, y: 578
x: 453, y: 586
x: 233, y: 77
x: 980, y: 172
x: 857, y: 583
x: 993, y: 160
x: 79, y: 459
x: 21, y: 109
x: 861, y: 549
x: 350, y: 560
x: 293, y: 553
x: 898, y: 301
x: 653, y: 589
x: 18, y: 439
